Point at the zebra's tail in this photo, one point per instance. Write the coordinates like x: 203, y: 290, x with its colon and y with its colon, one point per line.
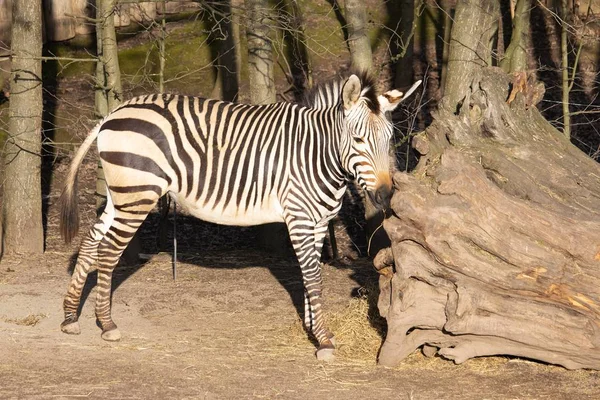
x: 69, y: 210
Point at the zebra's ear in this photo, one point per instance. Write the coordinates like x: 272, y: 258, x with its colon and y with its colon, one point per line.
x: 351, y: 92
x: 391, y: 99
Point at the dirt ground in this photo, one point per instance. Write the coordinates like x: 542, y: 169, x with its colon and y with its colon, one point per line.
x: 224, y: 331
x: 227, y: 327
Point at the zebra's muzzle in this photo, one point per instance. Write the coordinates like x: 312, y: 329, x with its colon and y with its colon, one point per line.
x: 381, y: 197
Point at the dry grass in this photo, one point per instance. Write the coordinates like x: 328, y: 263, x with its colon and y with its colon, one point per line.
x: 30, y: 320
x: 358, y: 328
x: 482, y: 365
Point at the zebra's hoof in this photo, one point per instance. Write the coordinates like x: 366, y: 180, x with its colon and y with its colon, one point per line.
x: 70, y: 327
x: 325, y: 354
x: 113, y: 335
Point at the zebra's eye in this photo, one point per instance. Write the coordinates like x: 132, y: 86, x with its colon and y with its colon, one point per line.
x: 359, y: 140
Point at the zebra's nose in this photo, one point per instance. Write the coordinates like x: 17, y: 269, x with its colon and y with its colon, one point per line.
x: 382, y: 197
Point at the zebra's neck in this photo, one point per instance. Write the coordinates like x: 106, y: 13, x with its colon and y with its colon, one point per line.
x: 327, y: 128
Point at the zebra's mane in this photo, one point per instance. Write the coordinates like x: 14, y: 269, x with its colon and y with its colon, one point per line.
x: 328, y: 94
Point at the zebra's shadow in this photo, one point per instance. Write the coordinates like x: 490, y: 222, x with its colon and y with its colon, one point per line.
x: 239, y: 243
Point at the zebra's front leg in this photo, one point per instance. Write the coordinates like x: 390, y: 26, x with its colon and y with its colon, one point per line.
x: 309, y: 318
x: 307, y: 240
x: 314, y: 308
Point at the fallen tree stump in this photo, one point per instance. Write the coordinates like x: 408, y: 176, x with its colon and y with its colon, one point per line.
x: 495, y: 238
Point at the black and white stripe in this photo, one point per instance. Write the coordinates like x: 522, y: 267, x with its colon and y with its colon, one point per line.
x: 232, y: 164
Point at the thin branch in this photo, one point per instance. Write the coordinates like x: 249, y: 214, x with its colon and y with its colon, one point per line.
x: 83, y: 17
x: 46, y: 58
x: 575, y: 63
x: 585, y: 112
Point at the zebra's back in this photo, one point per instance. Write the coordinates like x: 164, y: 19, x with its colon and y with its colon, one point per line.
x: 224, y: 162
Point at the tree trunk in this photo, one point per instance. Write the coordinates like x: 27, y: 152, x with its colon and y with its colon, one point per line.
x: 358, y: 41
x: 469, y: 45
x: 515, y: 59
x: 404, y: 48
x: 236, y: 32
x: 222, y: 46
x: 496, y: 234
x: 564, y: 51
x: 5, y: 26
x: 110, y: 55
x: 108, y: 94
x: 260, y: 53
x: 296, y: 49
x: 447, y: 18
x: 22, y: 196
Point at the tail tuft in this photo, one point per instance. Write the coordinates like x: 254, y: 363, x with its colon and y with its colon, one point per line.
x: 69, y: 212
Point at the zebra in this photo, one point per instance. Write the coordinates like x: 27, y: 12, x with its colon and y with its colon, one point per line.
x: 234, y: 164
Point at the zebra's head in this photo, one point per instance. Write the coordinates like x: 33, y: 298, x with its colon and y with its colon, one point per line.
x: 366, y: 138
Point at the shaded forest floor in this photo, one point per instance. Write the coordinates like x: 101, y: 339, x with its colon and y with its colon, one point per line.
x: 228, y: 327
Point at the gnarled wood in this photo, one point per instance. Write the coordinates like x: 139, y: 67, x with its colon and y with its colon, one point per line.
x: 495, y: 238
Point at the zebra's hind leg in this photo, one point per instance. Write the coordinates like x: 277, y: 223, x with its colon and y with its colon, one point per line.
x: 86, y: 260
x: 127, y: 219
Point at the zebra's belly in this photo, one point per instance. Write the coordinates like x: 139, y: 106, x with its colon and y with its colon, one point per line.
x: 267, y: 212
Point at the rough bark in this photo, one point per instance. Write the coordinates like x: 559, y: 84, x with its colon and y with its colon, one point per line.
x: 108, y: 85
x: 22, y: 196
x: 260, y: 53
x: 223, y: 51
x: 515, y: 59
x: 496, y: 234
x: 110, y: 55
x: 469, y: 45
x: 296, y: 51
x: 358, y: 42
x: 109, y: 93
x: 236, y: 31
x: 447, y: 18
x: 5, y: 26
